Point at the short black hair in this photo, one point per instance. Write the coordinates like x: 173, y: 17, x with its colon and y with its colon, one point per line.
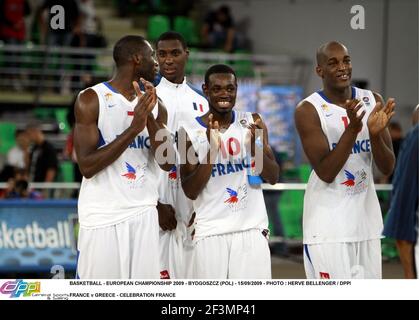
x: 126, y: 47
x: 218, y: 68
x: 172, y: 35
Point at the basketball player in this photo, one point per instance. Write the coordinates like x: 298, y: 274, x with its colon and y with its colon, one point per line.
x: 182, y: 102
x: 342, y: 129
x: 114, y: 137
x: 230, y: 226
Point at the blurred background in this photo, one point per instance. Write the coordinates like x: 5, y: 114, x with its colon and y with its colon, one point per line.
x: 270, y: 43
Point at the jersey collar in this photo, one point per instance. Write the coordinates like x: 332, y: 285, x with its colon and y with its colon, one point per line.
x: 169, y: 84
x: 321, y: 93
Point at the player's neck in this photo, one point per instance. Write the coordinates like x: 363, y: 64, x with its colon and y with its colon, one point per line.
x: 338, y: 96
x: 178, y: 80
x: 224, y: 119
x: 123, y: 84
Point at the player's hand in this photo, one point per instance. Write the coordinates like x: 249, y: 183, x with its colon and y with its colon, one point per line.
x: 355, y: 121
x: 213, y: 133
x: 380, y: 116
x: 254, y: 133
x: 145, y: 105
x: 167, y: 219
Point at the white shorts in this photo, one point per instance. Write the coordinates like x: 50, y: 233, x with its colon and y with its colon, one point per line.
x: 353, y: 260
x: 175, y: 253
x: 126, y: 250
x: 172, y: 255
x: 239, y: 255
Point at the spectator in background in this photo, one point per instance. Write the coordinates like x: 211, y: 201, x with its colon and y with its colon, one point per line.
x: 90, y: 27
x: 60, y: 37
x: 89, y: 37
x: 18, y: 156
x: 18, y: 187
x: 219, y: 31
x: 43, y: 163
x: 13, y: 32
x: 402, y: 220
x: 12, y: 22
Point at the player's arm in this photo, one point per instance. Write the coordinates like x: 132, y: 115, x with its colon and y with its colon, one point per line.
x: 196, y: 176
x: 405, y: 249
x: 270, y: 169
x: 381, y: 146
x: 326, y: 163
x: 92, y: 159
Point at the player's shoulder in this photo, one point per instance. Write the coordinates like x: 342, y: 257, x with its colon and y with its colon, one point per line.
x: 256, y: 116
x: 305, y: 111
x: 87, y: 96
x: 304, y: 106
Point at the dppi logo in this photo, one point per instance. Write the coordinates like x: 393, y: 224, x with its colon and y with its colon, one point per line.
x: 20, y: 287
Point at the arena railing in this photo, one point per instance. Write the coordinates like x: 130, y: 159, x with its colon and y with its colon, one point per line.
x: 40, y: 66
x: 65, y: 188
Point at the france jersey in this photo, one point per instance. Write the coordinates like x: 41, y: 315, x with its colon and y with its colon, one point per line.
x: 228, y: 203
x: 346, y: 210
x: 183, y: 104
x: 127, y: 185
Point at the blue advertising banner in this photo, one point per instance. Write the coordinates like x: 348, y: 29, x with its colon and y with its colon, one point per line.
x: 37, y: 235
x: 277, y: 104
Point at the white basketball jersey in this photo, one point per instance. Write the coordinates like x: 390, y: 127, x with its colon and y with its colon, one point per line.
x: 228, y: 203
x: 183, y: 104
x: 346, y: 210
x: 130, y: 182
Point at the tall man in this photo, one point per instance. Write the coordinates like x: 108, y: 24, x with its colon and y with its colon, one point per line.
x: 114, y: 135
x: 183, y: 103
x: 342, y: 129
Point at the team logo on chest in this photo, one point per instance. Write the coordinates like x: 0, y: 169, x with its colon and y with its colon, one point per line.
x: 173, y: 180
x: 134, y: 175
x: 109, y: 100
x: 173, y: 173
x: 236, y: 199
x: 355, y: 182
x: 326, y: 110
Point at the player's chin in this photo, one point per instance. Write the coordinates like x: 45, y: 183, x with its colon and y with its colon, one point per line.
x: 342, y: 84
x: 224, y: 110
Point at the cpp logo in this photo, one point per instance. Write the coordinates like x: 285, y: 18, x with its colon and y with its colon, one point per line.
x: 20, y: 287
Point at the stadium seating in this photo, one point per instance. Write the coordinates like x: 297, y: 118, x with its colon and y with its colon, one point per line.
x: 7, y: 136
x: 157, y: 24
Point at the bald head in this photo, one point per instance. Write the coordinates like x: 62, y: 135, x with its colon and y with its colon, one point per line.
x: 323, y: 52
